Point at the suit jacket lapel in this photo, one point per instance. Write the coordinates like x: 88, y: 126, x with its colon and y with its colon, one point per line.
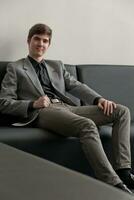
x: 32, y: 75
x: 52, y: 74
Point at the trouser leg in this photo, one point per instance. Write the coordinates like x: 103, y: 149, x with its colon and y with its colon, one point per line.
x: 121, y: 139
x: 63, y: 121
x: 120, y: 120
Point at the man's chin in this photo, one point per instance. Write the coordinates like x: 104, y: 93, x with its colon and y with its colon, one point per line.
x: 40, y: 54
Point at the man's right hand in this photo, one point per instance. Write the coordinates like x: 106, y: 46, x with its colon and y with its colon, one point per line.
x: 42, y: 102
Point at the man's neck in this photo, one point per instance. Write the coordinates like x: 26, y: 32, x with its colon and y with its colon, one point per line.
x: 38, y: 59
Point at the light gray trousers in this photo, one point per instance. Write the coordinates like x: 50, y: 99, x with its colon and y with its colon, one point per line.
x: 82, y: 122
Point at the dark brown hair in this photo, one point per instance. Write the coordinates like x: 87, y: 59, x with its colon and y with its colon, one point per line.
x: 40, y: 29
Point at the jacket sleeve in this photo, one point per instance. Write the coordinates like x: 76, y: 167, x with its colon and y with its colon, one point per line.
x: 78, y: 89
x: 9, y: 102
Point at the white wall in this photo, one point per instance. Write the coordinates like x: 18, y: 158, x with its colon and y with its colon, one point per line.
x: 84, y: 31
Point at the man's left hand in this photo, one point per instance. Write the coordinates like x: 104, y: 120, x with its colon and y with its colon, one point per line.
x: 107, y: 106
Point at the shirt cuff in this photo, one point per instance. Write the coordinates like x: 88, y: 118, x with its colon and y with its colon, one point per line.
x: 30, y: 106
x: 96, y: 100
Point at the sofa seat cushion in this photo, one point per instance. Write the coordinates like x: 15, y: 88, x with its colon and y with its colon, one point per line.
x: 26, y: 134
x: 65, y: 151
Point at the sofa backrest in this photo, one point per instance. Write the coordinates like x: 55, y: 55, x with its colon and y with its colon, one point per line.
x: 114, y: 82
x: 2, y: 70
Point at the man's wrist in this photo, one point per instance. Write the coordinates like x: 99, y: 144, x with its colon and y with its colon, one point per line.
x: 30, y: 106
x: 96, y: 100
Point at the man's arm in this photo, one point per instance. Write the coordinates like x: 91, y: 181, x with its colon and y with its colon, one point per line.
x: 9, y: 102
x: 78, y: 89
x: 86, y: 94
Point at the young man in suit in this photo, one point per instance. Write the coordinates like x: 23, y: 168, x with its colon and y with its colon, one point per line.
x: 34, y: 88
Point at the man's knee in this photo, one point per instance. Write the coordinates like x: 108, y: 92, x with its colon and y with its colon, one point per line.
x: 123, y: 110
x: 88, y: 127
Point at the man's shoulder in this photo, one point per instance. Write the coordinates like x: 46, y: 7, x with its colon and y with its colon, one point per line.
x: 17, y: 62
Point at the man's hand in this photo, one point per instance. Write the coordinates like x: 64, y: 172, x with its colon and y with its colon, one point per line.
x: 106, y: 106
x: 42, y: 102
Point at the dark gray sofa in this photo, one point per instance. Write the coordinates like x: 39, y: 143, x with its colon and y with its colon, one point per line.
x: 112, y: 81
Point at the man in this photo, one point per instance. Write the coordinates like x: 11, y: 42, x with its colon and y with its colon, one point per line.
x: 33, y: 89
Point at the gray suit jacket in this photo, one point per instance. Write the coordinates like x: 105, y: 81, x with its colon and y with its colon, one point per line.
x: 21, y: 85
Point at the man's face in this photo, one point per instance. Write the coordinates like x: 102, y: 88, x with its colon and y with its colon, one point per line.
x: 38, y: 45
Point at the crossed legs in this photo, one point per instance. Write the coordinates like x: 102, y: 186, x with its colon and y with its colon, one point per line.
x: 82, y: 122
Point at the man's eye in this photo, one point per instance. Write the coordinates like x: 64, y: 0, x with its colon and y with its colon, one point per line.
x: 45, y: 41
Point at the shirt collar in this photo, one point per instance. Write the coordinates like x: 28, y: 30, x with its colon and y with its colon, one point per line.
x: 34, y: 62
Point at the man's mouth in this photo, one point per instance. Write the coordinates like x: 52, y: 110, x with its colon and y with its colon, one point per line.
x: 39, y: 48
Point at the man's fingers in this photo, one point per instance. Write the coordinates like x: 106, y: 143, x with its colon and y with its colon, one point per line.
x: 111, y: 108
x: 100, y: 106
x: 107, y: 106
x: 46, y: 101
x: 42, y: 102
x: 114, y: 105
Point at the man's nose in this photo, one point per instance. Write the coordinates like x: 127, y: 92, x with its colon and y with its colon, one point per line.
x: 41, y: 42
